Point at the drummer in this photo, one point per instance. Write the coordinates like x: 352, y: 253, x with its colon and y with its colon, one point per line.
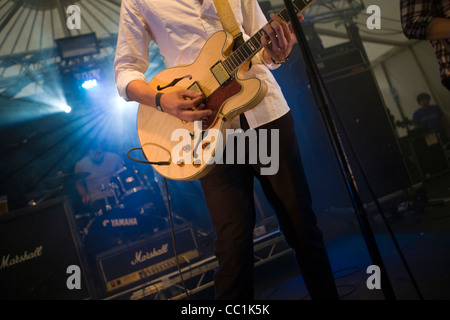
x: 95, y: 190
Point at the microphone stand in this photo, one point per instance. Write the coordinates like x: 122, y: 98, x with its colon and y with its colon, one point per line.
x: 322, y: 99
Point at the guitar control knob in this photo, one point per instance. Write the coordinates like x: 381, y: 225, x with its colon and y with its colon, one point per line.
x: 180, y: 163
x: 206, y: 145
x: 197, y: 163
x: 187, y: 148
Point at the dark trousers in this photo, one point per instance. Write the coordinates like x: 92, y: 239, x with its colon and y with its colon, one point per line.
x: 228, y: 191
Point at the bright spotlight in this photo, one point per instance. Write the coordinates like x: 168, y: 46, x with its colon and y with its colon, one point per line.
x: 89, y: 84
x: 66, y: 108
x: 120, y: 102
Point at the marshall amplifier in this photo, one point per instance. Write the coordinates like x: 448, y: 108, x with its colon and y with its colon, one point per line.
x: 38, y: 252
x: 146, y: 259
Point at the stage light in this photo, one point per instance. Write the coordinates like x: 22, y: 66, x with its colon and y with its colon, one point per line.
x: 120, y: 102
x: 89, y: 84
x: 66, y: 108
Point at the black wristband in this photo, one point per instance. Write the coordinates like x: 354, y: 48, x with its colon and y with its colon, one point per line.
x: 158, y: 101
x: 279, y: 62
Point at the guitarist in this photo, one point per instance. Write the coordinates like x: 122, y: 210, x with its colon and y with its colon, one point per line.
x: 180, y: 28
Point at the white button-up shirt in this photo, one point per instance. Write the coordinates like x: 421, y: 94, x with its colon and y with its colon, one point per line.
x: 180, y: 28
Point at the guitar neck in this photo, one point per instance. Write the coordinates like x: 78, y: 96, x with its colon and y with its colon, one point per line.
x: 253, y: 45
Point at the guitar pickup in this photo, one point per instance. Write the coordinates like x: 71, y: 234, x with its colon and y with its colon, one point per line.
x: 196, y: 87
x: 220, y: 73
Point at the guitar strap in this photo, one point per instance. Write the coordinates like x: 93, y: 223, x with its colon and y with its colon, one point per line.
x: 228, y: 21
x: 229, y: 24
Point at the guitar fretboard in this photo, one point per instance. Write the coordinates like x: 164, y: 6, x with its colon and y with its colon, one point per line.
x: 251, y: 47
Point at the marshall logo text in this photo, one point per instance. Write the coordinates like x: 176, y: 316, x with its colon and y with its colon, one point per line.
x: 8, y: 261
x: 139, y: 257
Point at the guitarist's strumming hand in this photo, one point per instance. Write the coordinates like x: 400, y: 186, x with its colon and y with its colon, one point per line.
x: 185, y: 105
x: 279, y: 39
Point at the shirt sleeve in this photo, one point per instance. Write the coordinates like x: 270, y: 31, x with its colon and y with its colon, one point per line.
x: 416, y: 15
x: 132, y: 53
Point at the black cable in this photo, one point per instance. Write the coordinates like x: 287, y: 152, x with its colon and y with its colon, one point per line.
x: 348, y: 293
x: 159, y: 163
x: 353, y: 270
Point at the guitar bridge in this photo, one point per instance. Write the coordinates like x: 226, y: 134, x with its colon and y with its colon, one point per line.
x: 220, y: 73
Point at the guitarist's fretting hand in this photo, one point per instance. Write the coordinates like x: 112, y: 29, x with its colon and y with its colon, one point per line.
x: 279, y: 38
x: 185, y: 105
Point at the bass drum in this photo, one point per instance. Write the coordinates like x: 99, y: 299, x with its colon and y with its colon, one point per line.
x: 118, y: 226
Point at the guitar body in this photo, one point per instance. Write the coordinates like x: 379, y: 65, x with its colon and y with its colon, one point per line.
x: 166, y: 138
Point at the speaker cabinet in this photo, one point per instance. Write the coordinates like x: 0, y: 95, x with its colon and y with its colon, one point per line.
x: 371, y: 141
x: 37, y: 245
x: 360, y: 116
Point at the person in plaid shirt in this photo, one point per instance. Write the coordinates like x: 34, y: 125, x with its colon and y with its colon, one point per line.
x: 430, y: 20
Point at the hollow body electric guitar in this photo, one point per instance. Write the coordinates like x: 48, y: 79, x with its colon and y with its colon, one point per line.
x: 181, y: 150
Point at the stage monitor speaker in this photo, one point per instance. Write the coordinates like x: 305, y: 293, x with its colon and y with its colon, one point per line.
x: 37, y: 246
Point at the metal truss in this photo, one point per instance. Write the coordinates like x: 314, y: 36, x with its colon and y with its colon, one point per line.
x: 328, y: 10
x: 41, y: 67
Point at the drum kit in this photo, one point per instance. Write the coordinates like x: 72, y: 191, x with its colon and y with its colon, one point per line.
x: 132, y: 206
x: 136, y: 209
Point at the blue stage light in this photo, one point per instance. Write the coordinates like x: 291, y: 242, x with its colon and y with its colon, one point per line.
x: 89, y: 84
x: 66, y: 108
